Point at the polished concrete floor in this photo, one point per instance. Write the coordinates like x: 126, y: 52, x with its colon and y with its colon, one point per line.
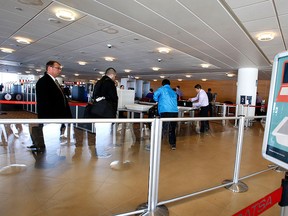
x: 69, y: 179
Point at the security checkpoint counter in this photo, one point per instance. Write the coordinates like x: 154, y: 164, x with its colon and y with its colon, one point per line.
x: 143, y: 109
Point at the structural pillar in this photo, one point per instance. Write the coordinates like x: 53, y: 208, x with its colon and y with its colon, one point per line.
x: 246, y: 89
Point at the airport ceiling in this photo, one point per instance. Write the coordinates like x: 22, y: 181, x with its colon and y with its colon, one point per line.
x: 222, y: 34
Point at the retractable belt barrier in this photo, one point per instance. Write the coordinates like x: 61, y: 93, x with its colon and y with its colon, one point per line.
x: 33, y: 102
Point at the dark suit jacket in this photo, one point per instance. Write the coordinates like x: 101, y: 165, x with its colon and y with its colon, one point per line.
x: 51, y: 102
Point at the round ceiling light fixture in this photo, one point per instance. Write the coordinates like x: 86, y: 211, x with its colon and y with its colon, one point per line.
x: 127, y: 70
x: 180, y: 80
x: 6, y: 50
x: 82, y: 62
x: 155, y: 68
x: 110, y: 59
x: 266, y: 36
x: 188, y: 76
x: 22, y: 40
x: 164, y: 50
x: 204, y: 80
x: 65, y: 14
x: 205, y: 65
x: 230, y: 74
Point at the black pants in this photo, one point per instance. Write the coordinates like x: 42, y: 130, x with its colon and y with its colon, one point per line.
x: 211, y: 110
x: 171, y: 126
x: 204, y: 125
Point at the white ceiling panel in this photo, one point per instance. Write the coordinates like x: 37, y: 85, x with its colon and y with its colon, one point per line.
x: 253, y: 12
x: 281, y: 6
x: 266, y: 24
x: 237, y: 4
x: 283, y: 20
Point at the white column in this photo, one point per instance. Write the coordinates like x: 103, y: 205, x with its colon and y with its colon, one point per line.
x: 247, y: 86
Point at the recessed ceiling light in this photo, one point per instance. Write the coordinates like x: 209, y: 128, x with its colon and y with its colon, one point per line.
x: 230, y: 74
x: 6, y: 50
x: 101, y: 72
x: 82, y: 62
x: 162, y: 77
x: 155, y: 68
x: 205, y: 65
x: 179, y: 80
x: 22, y: 40
x: 127, y: 70
x: 266, y: 36
x: 204, y: 80
x: 62, y: 75
x: 110, y: 30
x: 65, y: 14
x: 188, y: 76
x: 137, y: 77
x: 155, y: 80
x: 76, y: 74
x: 38, y: 70
x: 109, y: 59
x: 164, y: 50
x: 27, y: 71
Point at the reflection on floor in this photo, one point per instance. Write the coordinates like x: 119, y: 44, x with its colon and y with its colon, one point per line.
x: 68, y: 179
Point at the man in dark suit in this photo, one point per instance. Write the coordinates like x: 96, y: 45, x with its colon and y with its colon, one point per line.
x: 51, y: 101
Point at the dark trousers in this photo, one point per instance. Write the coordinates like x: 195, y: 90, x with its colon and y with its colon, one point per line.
x: 204, y: 125
x: 211, y: 110
x: 170, y: 126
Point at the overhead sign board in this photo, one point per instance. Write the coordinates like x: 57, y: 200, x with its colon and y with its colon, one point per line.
x: 275, y: 143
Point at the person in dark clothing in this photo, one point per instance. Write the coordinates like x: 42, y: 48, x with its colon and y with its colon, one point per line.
x: 150, y: 94
x: 210, y: 99
x: 51, y: 101
x: 105, y: 87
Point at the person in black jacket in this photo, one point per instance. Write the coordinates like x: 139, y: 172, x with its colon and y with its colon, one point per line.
x: 105, y: 87
x: 51, y: 101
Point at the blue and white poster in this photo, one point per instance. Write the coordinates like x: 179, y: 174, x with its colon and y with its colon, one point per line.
x: 275, y: 143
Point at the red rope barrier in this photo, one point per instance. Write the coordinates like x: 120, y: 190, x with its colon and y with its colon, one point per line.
x: 262, y: 204
x: 33, y: 102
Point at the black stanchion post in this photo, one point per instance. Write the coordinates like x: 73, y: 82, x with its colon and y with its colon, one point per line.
x: 284, y: 198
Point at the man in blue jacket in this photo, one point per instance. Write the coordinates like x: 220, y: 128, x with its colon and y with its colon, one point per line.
x: 167, y: 108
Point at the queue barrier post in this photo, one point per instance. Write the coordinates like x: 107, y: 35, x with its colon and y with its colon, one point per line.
x: 237, y: 185
x: 155, y: 151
